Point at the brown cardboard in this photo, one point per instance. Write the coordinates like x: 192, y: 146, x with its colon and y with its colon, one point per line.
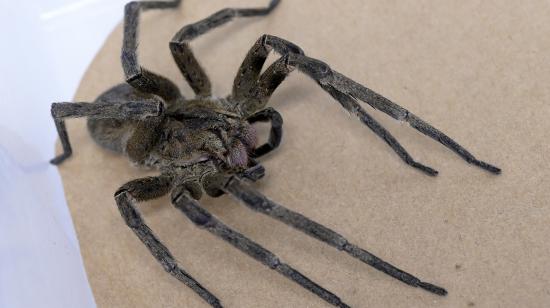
x: 478, y: 70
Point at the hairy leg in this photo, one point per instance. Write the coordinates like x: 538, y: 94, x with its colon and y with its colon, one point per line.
x: 202, y: 218
x: 260, y: 203
x: 183, y: 55
x: 346, y: 89
x: 135, y: 110
x: 145, y: 189
x: 354, y: 108
x: 137, y: 76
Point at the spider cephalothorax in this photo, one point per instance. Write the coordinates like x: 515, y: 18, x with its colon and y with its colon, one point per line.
x: 222, y: 131
x: 209, y: 144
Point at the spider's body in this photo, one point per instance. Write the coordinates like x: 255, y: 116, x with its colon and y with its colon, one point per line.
x: 187, y: 131
x: 209, y: 144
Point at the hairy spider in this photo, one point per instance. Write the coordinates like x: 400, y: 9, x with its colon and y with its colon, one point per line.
x: 209, y: 144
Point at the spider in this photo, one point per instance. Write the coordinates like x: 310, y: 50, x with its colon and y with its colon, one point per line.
x: 209, y: 145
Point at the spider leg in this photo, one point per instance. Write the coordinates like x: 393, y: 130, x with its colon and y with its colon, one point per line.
x: 358, y: 91
x: 256, y: 90
x: 256, y: 171
x: 260, y: 203
x: 345, y: 89
x: 247, y: 86
x: 354, y: 108
x: 183, y: 55
x: 149, y: 188
x: 137, y: 76
x: 202, y: 218
x: 275, y: 134
x: 98, y: 110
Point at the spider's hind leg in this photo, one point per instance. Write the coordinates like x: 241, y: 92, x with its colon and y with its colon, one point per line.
x: 125, y: 110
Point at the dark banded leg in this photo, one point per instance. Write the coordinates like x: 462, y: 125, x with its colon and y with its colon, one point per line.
x: 354, y: 108
x: 183, y: 55
x: 137, y: 76
x: 126, y: 110
x: 202, y: 218
x: 341, y: 86
x: 260, y: 203
x: 353, y: 89
x: 256, y: 90
x: 145, y: 189
x: 275, y: 134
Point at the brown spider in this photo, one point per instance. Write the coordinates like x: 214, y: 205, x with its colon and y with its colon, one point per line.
x: 209, y: 144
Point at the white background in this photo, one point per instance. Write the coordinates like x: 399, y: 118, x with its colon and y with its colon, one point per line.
x: 46, y: 47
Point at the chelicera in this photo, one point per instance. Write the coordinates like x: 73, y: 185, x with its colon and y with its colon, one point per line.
x: 208, y: 144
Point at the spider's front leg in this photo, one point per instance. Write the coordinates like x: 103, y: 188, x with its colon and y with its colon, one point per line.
x: 99, y: 110
x: 257, y: 202
x: 181, y: 198
x: 252, y: 91
x: 145, y: 189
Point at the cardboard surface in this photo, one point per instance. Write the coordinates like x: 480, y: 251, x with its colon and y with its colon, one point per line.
x: 479, y: 71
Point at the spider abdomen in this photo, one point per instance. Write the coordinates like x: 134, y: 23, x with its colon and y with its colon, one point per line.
x: 113, y: 134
